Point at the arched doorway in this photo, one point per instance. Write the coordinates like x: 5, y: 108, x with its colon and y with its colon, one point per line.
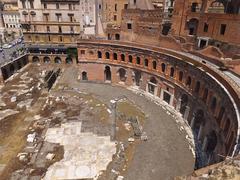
x: 184, y: 103
x: 197, y: 121
x: 107, y: 73
x: 192, y: 26
x: 211, y: 143
x: 57, y: 60
x: 152, y: 86
x: 137, y: 77
x: 35, y: 59
x: 84, y: 76
x: 46, y: 59
x: 69, y: 60
x: 122, y: 74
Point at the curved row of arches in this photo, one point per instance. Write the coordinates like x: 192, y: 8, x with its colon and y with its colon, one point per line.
x: 206, y: 139
x: 56, y: 60
x: 175, y: 74
x: 195, y: 84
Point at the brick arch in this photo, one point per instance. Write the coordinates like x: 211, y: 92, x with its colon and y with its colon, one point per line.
x: 122, y: 74
x: 35, y: 59
x: 107, y: 55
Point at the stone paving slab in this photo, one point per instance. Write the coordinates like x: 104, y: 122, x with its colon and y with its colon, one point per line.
x: 85, y: 154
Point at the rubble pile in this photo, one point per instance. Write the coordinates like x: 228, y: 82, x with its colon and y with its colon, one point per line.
x: 226, y: 170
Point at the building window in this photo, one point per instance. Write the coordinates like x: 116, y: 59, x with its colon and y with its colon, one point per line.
x: 194, y: 7
x: 223, y: 29
x: 154, y: 64
x: 45, y: 6
x: 125, y: 6
x: 146, y: 62
x: 82, y: 51
x: 71, y: 29
x: 46, y: 17
x: 70, y: 6
x: 24, y: 4
x: 57, y: 6
x: 135, y: 1
x: 115, y: 7
x: 138, y: 60
x: 31, y: 4
x: 34, y: 28
x: 48, y: 29
x: 49, y: 38
x: 59, y: 29
x: 60, y: 38
x: 37, y: 38
x: 163, y: 67
x: 129, y: 25
x: 71, y: 17
x: 115, y: 17
x: 59, y: 17
x: 205, y: 29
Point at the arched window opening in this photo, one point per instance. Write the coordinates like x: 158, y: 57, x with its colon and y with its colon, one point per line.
x: 122, y: 57
x: 57, y: 60
x: 107, y: 55
x: 117, y: 36
x: 205, y: 95
x: 197, y: 87
x: 137, y: 77
x: 69, y: 60
x: 99, y: 55
x: 35, y: 59
x: 107, y: 73
x: 46, y: 60
x: 84, y: 76
x: 122, y: 74
x: 130, y: 58
x: 192, y: 25
x: 146, y: 62
x: 115, y: 56
x: 189, y: 81
x: 138, y: 60
x: 216, y: 7
x: 163, y: 67
x: 154, y: 64
x: 172, y: 72
x: 212, y: 142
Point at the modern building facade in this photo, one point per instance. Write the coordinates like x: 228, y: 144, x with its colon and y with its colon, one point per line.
x: 50, y: 22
